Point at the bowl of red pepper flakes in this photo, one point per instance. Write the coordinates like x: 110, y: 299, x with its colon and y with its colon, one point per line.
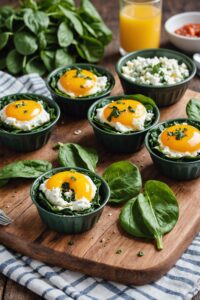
x: 183, y: 31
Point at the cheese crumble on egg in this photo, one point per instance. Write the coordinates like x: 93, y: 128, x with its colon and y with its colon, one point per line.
x: 81, y: 83
x: 124, y: 115
x: 24, y: 114
x: 157, y: 71
x: 69, y: 189
x: 179, y: 140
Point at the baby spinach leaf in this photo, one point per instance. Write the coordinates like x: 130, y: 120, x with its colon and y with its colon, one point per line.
x: 4, y: 36
x: 74, y: 155
x: 63, y: 58
x: 42, y: 42
x: 124, y: 180
x: 65, y: 35
x: 14, y: 62
x: 25, y: 43
x: 48, y: 58
x: 151, y: 214
x: 89, y: 9
x: 25, y: 169
x: 91, y: 49
x: 36, y: 21
x: 35, y: 65
x: 131, y: 221
x: 73, y: 18
x: 2, y: 63
x: 193, y: 109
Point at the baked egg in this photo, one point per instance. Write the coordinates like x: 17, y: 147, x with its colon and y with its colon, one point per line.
x: 124, y: 115
x: 81, y: 83
x: 179, y: 140
x: 69, y: 189
x: 24, y: 114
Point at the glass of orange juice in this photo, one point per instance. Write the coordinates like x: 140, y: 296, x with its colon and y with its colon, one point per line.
x: 140, y: 24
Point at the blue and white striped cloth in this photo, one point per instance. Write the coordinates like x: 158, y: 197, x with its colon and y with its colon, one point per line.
x: 53, y: 283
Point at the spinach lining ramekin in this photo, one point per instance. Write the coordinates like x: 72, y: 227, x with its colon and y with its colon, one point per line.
x: 30, y: 140
x: 78, y: 107
x: 176, y: 168
x: 70, y: 224
x: 162, y: 95
x: 120, y: 142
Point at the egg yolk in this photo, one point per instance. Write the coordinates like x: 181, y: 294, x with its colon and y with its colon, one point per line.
x: 23, y: 110
x: 79, y: 82
x: 124, y: 111
x: 77, y: 182
x: 181, y: 138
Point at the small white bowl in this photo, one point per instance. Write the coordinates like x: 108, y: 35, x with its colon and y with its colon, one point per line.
x: 188, y: 44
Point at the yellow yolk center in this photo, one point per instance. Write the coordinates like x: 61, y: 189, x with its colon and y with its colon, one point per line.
x: 78, y: 82
x: 77, y: 182
x: 23, y: 110
x: 124, y: 111
x: 181, y: 138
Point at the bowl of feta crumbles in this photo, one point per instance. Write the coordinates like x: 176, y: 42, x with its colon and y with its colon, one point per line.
x: 161, y: 74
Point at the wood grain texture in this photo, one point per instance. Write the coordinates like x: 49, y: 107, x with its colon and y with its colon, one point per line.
x: 109, y: 11
x: 94, y: 252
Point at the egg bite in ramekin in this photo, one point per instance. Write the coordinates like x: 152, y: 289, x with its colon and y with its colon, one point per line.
x: 120, y: 123
x: 70, y: 200
x: 76, y: 87
x: 174, y: 147
x: 26, y: 121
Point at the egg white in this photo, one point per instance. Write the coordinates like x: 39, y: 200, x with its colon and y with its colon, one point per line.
x: 137, y: 123
x: 54, y: 196
x: 37, y: 121
x: 172, y: 153
x: 100, y: 86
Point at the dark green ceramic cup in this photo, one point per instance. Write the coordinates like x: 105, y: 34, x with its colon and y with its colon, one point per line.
x: 178, y: 170
x: 78, y: 107
x: 162, y: 95
x: 29, y: 141
x: 120, y: 143
x: 70, y: 224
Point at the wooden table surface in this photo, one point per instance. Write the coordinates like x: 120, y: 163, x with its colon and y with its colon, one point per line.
x: 9, y: 290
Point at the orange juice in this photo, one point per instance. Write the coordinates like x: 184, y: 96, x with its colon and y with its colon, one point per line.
x: 139, y: 27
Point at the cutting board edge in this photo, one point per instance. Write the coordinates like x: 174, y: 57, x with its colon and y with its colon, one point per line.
x: 107, y: 272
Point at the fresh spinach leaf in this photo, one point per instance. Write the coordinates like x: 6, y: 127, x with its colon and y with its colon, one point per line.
x: 151, y: 214
x: 14, y: 62
x: 25, y: 43
x: 74, y: 155
x: 25, y: 169
x: 89, y: 9
x: 4, y: 36
x: 63, y: 57
x: 36, y: 21
x: 35, y: 65
x: 193, y: 109
x: 124, y: 180
x: 65, y: 35
x: 48, y: 58
x: 73, y: 18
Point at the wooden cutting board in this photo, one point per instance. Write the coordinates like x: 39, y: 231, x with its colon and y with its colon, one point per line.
x: 94, y: 252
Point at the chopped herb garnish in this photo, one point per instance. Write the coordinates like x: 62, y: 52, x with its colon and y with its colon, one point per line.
x: 131, y: 109
x: 114, y: 113
x: 25, y: 111
x: 71, y: 243
x: 178, y: 133
x: 140, y: 253
x: 120, y: 102
x: 20, y: 104
x: 73, y: 178
x: 65, y: 186
x: 119, y: 251
x: 156, y: 68
x: 82, y: 86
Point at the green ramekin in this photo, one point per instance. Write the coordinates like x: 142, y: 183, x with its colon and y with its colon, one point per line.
x: 71, y: 224
x: 78, y: 107
x: 120, y: 143
x: 178, y: 170
x: 162, y: 95
x: 29, y: 141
